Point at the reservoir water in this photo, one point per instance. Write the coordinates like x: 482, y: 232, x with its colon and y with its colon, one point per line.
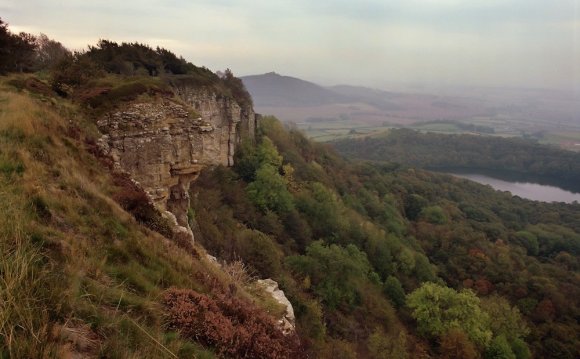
x: 533, y: 191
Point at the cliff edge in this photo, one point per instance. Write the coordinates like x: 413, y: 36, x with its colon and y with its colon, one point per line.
x: 163, y: 142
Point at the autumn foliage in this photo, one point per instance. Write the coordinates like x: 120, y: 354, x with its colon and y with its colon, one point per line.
x: 235, y: 328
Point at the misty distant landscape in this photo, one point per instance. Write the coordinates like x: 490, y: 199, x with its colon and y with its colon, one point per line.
x: 328, y: 113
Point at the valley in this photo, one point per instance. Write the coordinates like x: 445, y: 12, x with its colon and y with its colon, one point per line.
x: 330, y: 113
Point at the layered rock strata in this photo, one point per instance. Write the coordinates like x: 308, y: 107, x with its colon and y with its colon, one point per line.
x: 164, y: 144
x: 230, y: 121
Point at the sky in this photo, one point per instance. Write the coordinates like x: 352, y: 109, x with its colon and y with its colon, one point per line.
x: 377, y: 43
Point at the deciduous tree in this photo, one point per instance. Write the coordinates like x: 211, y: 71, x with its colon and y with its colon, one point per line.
x: 439, y: 309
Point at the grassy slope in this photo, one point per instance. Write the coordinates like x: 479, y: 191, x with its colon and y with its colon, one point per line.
x: 79, y: 274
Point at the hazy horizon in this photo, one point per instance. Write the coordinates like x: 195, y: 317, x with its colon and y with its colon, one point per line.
x: 381, y: 44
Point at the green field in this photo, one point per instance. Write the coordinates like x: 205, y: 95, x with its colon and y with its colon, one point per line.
x: 324, y: 131
x: 335, y: 129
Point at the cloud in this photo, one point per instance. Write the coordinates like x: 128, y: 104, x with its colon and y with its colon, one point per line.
x: 511, y: 42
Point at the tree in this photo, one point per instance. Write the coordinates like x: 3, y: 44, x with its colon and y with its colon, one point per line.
x: 406, y: 260
x: 322, y: 210
x: 260, y: 251
x: 49, y: 52
x: 456, y: 345
x: 423, y: 269
x: 414, y: 205
x: 394, y: 290
x: 5, y: 39
x: 237, y: 89
x: 439, y: 309
x: 17, y: 52
x: 520, y: 349
x: 433, y: 214
x: 171, y: 63
x: 382, y: 346
x: 269, y: 191
x: 246, y: 161
x: 267, y: 154
x: 499, y: 349
x: 507, y: 320
x: 333, y: 271
x: 529, y: 241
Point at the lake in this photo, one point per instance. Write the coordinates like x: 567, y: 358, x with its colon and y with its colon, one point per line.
x: 533, y: 191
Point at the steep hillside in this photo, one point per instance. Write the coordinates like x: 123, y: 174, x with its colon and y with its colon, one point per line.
x: 384, y: 261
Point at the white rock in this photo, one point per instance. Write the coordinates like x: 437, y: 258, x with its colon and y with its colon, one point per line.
x: 288, y: 321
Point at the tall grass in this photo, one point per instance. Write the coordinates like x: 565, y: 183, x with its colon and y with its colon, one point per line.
x: 24, y: 328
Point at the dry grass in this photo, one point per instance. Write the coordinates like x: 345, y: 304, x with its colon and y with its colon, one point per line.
x: 239, y: 273
x: 24, y: 325
x: 25, y: 116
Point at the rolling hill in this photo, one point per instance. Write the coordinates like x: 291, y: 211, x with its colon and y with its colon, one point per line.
x: 272, y: 89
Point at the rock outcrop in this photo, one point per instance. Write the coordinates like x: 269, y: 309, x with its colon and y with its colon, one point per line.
x: 288, y: 322
x: 230, y: 121
x: 164, y: 143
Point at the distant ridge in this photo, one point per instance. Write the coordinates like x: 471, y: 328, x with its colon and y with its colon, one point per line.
x: 272, y: 89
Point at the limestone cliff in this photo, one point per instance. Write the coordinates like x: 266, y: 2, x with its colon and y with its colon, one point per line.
x: 164, y: 142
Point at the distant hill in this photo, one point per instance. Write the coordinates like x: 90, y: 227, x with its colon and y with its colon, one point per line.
x: 272, y: 89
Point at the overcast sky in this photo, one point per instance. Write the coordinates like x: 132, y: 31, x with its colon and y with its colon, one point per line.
x: 380, y: 43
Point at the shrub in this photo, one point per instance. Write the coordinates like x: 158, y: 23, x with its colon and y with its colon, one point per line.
x: 73, y: 71
x: 234, y: 327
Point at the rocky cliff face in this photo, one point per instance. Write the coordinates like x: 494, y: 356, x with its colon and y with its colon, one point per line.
x: 230, y: 121
x: 164, y: 143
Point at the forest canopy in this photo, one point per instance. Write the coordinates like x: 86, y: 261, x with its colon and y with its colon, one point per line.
x: 473, y: 271
x: 441, y: 151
